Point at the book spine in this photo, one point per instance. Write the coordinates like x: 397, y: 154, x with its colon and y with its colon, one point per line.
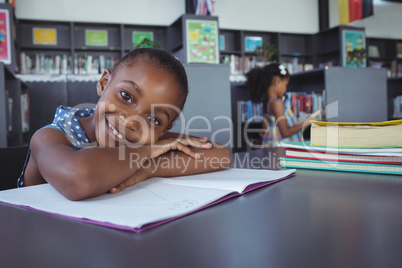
x: 24, y: 112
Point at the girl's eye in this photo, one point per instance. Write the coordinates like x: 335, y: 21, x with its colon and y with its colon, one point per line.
x: 126, y: 96
x: 153, y: 120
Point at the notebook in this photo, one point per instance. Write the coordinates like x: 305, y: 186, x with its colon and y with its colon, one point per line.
x: 149, y: 203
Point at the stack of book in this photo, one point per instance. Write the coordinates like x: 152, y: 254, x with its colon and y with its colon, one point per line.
x: 353, y: 147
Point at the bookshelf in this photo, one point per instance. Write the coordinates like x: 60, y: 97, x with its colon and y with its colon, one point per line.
x: 385, y: 53
x: 394, y: 98
x: 55, y: 90
x: 299, y: 52
x: 296, y: 51
x: 52, y: 47
x: 14, y: 109
x: 238, y: 52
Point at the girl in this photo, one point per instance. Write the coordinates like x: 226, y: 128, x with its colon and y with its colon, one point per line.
x: 124, y: 140
x: 268, y: 85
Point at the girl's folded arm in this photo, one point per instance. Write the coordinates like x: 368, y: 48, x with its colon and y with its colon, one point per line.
x: 84, y: 173
x: 216, y: 158
x: 175, y: 163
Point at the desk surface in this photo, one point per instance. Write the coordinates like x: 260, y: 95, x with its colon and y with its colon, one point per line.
x: 315, y: 219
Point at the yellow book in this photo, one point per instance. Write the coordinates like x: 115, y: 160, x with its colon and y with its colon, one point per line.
x: 374, y: 134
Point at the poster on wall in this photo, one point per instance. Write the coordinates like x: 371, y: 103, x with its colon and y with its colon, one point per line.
x: 44, y: 36
x: 202, y: 41
x: 353, y: 48
x: 96, y: 37
x: 5, y: 36
x: 138, y: 37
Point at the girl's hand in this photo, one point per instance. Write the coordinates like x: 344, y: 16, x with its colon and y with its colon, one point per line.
x: 194, y: 141
x: 162, y: 146
x: 139, y: 176
x: 307, y: 121
x: 182, y: 144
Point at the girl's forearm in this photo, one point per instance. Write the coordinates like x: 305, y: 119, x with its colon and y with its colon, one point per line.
x: 96, y: 170
x: 176, y: 163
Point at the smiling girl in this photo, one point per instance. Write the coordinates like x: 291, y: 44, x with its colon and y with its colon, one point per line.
x: 87, y: 152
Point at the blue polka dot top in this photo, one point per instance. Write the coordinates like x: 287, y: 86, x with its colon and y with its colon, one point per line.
x: 66, y: 120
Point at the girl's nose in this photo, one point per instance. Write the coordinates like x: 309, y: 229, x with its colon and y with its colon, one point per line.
x: 133, y: 123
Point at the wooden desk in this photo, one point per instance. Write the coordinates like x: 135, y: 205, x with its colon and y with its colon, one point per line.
x: 315, y: 219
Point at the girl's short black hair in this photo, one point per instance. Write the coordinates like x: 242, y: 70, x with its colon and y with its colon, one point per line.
x: 260, y: 78
x: 160, y: 58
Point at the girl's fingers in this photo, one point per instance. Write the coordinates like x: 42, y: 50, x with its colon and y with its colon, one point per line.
x: 116, y: 189
x: 187, y: 150
x: 196, y: 142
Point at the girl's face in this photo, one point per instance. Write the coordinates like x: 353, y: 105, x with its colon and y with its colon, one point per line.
x: 281, y: 86
x: 136, y: 105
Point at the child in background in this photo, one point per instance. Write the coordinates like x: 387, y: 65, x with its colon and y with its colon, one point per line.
x: 87, y: 152
x: 268, y: 85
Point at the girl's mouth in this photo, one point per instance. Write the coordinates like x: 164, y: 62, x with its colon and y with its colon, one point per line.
x: 115, y: 132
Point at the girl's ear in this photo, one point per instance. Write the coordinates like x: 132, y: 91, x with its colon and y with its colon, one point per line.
x: 103, y: 81
x: 276, y: 80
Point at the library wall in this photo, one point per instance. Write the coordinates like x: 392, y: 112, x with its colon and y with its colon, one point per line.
x: 384, y: 24
x: 268, y: 15
x: 149, y: 12
x: 260, y: 15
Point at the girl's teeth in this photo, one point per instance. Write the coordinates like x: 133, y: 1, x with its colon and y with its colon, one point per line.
x: 115, y: 132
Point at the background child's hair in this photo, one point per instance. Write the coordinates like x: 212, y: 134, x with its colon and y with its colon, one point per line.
x: 161, y: 59
x: 260, y: 78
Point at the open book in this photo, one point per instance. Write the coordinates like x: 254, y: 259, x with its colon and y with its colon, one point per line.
x: 149, y: 203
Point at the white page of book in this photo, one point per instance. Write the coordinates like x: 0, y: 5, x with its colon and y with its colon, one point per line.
x: 235, y: 180
x: 149, y: 201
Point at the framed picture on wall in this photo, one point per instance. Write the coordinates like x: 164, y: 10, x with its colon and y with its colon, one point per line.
x: 5, y: 37
x: 353, y: 48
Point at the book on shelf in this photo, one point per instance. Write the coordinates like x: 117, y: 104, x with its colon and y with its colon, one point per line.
x: 399, y: 49
x: 397, y: 107
x: 41, y: 63
x: 373, y: 51
x: 371, y: 160
x: 150, y: 203
x: 235, y: 63
x: 9, y: 110
x: 25, y: 112
x: 250, y: 112
x: 302, y: 103
x: 294, y: 66
x: 399, y: 69
x: 375, y: 134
